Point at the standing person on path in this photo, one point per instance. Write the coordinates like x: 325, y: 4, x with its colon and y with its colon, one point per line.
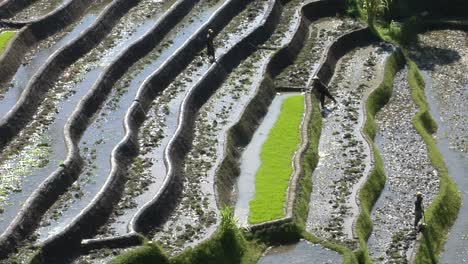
x: 210, y: 51
x: 322, y: 89
x: 418, y: 209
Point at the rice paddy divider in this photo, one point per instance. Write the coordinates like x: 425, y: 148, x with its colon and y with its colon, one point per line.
x: 101, y: 206
x: 82, y: 117
x: 333, y: 52
x: 32, y: 96
x: 152, y: 212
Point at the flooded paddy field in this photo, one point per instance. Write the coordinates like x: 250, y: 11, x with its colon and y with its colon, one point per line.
x: 40, y: 148
x: 345, y: 156
x: 444, y: 63
x: 10, y: 91
x: 321, y: 33
x: 107, y: 129
x: 134, y: 155
x: 300, y: 253
x: 408, y: 170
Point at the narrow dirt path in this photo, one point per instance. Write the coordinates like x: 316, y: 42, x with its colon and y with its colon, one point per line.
x: 408, y: 170
x: 345, y: 156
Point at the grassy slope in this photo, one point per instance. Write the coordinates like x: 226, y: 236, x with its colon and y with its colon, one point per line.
x: 5, y: 38
x: 227, y: 246
x: 444, y: 209
x: 272, y: 178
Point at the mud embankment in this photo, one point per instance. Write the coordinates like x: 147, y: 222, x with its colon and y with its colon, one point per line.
x: 442, y: 55
x: 345, y: 156
x: 408, y: 170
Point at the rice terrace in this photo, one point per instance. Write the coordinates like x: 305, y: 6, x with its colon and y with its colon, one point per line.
x: 233, y: 131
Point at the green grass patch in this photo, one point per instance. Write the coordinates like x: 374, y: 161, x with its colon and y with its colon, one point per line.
x: 227, y: 246
x: 443, y: 211
x: 5, y: 37
x: 273, y: 176
x: 309, y: 163
x: 150, y: 253
x: 374, y: 185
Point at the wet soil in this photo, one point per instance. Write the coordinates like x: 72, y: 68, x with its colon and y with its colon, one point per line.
x: 443, y: 59
x: 300, y: 253
x: 39, y: 148
x: 147, y: 171
x: 345, y: 156
x: 321, y: 33
x: 408, y: 170
x: 289, y: 19
x: 38, y: 9
x: 195, y: 216
x: 107, y: 129
x: 189, y: 223
x: 250, y: 160
x: 37, y: 56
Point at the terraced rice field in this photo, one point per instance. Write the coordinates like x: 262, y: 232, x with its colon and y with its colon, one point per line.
x: 117, y: 128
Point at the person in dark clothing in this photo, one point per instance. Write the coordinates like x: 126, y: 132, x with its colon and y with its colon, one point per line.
x: 322, y: 89
x: 210, y: 51
x: 418, y: 209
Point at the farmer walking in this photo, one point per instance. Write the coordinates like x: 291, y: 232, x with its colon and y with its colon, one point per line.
x: 210, y: 51
x: 418, y: 209
x: 322, y: 89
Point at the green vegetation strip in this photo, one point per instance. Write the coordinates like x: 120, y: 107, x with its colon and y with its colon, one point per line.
x: 273, y: 176
x: 444, y: 209
x: 228, y: 246
x: 5, y: 37
x: 309, y: 163
x: 374, y: 185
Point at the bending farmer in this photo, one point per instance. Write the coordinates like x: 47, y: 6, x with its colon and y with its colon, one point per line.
x: 322, y: 89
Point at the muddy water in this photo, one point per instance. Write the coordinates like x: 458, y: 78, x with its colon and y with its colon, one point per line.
x: 288, y: 22
x: 408, y: 170
x: 197, y: 212
x: 41, y: 147
x: 38, y: 9
x: 303, y: 252
x: 444, y: 61
x: 107, y: 130
x: 36, y: 58
x: 34, y: 155
x: 321, y: 33
x: 345, y: 156
x: 148, y: 170
x: 456, y: 247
